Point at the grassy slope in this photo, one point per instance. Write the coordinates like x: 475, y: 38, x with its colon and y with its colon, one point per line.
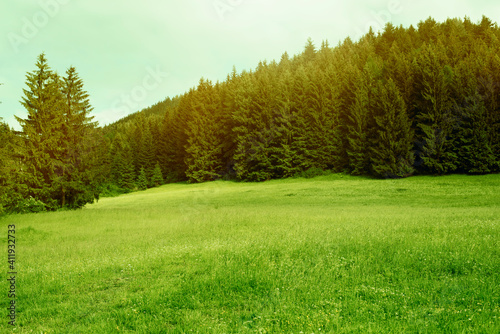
x: 330, y: 254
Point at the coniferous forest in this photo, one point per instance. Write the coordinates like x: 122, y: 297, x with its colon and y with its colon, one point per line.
x: 405, y: 101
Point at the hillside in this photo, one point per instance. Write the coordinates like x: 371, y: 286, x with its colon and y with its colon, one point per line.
x: 409, y: 100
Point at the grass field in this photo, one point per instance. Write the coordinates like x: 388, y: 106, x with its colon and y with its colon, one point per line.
x: 333, y: 254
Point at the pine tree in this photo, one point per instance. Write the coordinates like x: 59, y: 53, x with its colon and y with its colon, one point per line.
x: 204, y: 149
x: 255, y: 127
x: 81, y: 164
x: 227, y: 94
x: 179, y: 138
x: 472, y: 130
x: 147, y: 152
x: 358, y: 129
x: 6, y: 165
x: 435, y: 117
x: 391, y: 153
x: 142, y: 180
x: 135, y: 139
x: 327, y: 121
x: 360, y: 123
x: 157, y: 178
x: 473, y: 144
x: 166, y: 147
x: 127, y: 171
x: 122, y: 163
x: 42, y: 132
x: 309, y: 53
x: 348, y: 75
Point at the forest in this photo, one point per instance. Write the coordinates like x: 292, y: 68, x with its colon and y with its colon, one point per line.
x: 402, y: 102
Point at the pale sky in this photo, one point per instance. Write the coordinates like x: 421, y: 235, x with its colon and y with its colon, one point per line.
x: 132, y: 54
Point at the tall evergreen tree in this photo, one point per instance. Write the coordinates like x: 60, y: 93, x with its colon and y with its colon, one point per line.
x: 157, y: 178
x: 80, y: 168
x: 43, y: 133
x: 147, y: 151
x: 435, y: 117
x: 205, y: 140
x: 359, y: 123
x: 391, y: 153
x: 122, y: 163
x: 142, y: 180
x: 10, y: 190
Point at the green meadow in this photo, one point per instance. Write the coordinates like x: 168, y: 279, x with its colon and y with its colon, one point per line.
x: 331, y: 254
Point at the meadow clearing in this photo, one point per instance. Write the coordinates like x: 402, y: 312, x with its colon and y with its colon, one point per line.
x: 331, y: 254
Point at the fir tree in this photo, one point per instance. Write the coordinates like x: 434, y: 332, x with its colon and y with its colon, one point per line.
x: 43, y: 132
x: 166, y: 150
x: 147, y: 152
x: 157, y: 178
x: 204, y: 150
x: 122, y: 163
x: 473, y: 139
x: 391, y: 153
x: 81, y: 165
x: 435, y: 117
x: 142, y: 180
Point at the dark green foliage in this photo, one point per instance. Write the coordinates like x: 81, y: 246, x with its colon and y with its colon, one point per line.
x: 357, y: 127
x: 43, y: 134
x: 10, y: 189
x: 204, y: 157
x: 79, y: 176
x: 435, y: 117
x: 142, y: 180
x: 29, y: 205
x: 473, y: 138
x: 111, y: 190
x: 61, y: 156
x: 391, y: 153
x: 122, y: 163
x: 157, y: 178
x: 312, y: 172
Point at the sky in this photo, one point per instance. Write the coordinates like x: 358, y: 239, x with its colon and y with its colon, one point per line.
x: 133, y: 54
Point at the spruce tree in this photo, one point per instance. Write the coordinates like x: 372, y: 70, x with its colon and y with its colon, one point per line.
x: 142, y: 180
x: 157, y: 178
x: 127, y: 172
x: 81, y: 164
x: 122, y: 163
x: 359, y: 123
x: 358, y: 129
x: 179, y: 138
x: 435, y: 119
x: 6, y: 164
x: 43, y: 134
x: 472, y: 139
x: 166, y: 147
x: 204, y: 150
x: 147, y: 151
x: 258, y: 126
x: 391, y: 153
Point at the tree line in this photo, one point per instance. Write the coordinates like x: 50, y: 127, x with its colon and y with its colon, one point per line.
x: 405, y: 101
